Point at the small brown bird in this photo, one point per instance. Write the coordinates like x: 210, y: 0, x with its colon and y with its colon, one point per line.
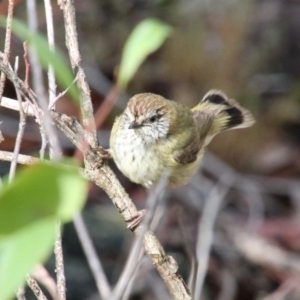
x: 154, y: 134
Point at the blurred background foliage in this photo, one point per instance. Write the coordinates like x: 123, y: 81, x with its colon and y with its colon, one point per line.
x: 251, y: 50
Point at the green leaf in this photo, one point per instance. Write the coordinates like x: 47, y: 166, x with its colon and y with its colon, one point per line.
x: 38, y: 192
x: 21, y: 251
x: 146, y: 38
x: 39, y: 42
x: 73, y: 191
x: 32, y: 196
x: 29, y: 208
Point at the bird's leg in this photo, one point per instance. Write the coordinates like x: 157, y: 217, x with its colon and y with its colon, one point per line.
x: 135, y: 221
x: 104, y: 153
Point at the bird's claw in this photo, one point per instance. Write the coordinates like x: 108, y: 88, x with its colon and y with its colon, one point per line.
x: 135, y: 221
x: 104, y: 153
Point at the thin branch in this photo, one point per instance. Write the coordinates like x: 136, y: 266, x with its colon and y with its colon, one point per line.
x: 7, y: 43
x: 103, y: 111
x: 136, y: 251
x: 38, y: 84
x: 1, y: 137
x: 228, y: 286
x: 59, y: 265
x: 51, y: 41
x: 263, y: 252
x: 47, y: 129
x: 107, y: 105
x: 27, y: 65
x: 60, y: 95
x: 205, y: 232
x: 9, y: 103
x: 21, y: 294
x: 41, y: 274
x: 190, y: 250
x: 42, y: 132
x: 75, y: 57
x: 128, y: 288
x: 92, y: 258
x: 22, y: 124
x: 286, y: 290
x: 21, y: 159
x: 35, y: 288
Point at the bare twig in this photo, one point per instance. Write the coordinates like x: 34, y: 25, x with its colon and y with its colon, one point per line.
x: 107, y: 105
x: 14, y: 105
x: 205, y: 231
x: 7, y: 43
x: 103, y: 111
x: 136, y: 251
x: 132, y: 278
x: 27, y: 65
x: 92, y: 258
x: 60, y: 95
x: 59, y: 265
x: 189, y: 247
x: 250, y: 188
x: 37, y: 76
x: 77, y: 65
x: 21, y: 294
x: 22, y: 124
x: 51, y: 41
x: 288, y: 287
x: 1, y: 137
x: 21, y: 159
x: 263, y: 252
x: 47, y: 129
x: 228, y: 286
x: 41, y: 274
x: 35, y: 288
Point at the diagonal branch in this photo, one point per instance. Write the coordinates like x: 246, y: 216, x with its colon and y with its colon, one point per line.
x: 103, y: 176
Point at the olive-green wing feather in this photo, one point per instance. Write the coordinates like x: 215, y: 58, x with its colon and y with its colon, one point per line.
x: 189, y: 152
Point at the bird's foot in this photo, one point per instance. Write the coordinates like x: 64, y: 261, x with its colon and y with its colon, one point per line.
x: 104, y: 153
x: 135, y: 221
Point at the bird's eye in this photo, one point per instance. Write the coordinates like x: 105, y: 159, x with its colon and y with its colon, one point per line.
x: 153, y: 119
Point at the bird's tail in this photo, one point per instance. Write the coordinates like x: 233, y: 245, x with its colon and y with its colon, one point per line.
x: 226, y: 113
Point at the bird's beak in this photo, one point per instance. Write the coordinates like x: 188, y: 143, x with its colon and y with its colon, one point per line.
x: 134, y: 125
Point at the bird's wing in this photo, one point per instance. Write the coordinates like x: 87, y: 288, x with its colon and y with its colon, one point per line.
x: 188, y: 154
x: 203, y: 121
x: 189, y: 151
